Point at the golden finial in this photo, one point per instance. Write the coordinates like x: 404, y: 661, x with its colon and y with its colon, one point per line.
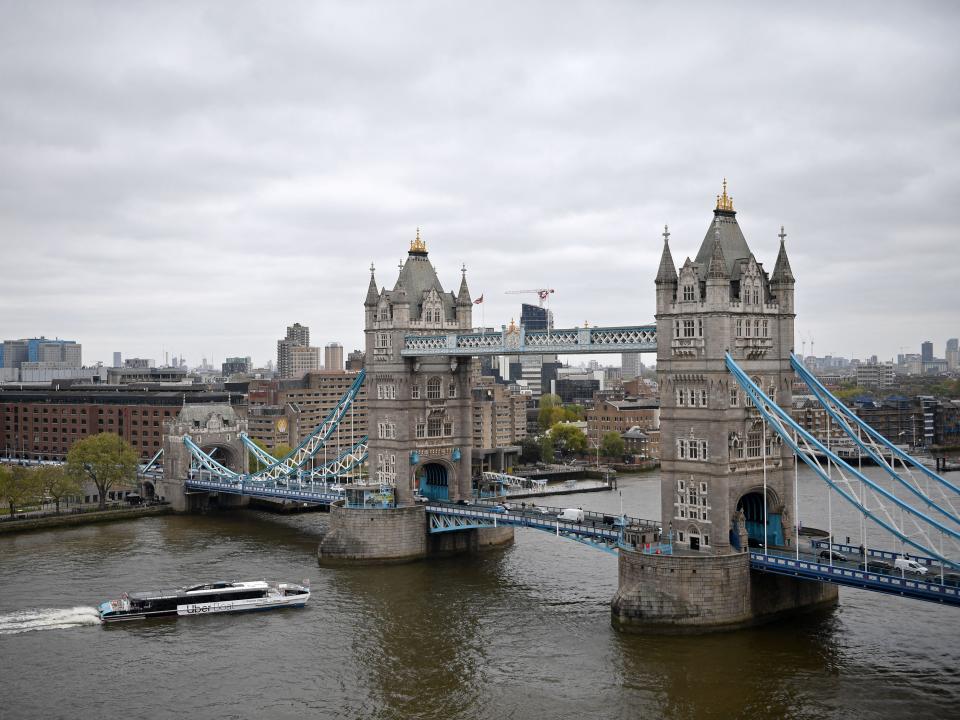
x: 725, y: 202
x: 418, y: 245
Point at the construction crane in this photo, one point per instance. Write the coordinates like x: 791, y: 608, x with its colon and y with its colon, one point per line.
x: 542, y: 293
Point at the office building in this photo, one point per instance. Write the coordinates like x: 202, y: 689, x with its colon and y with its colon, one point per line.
x: 333, y: 356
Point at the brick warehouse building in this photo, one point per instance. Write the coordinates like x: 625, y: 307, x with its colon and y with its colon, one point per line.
x: 43, y: 423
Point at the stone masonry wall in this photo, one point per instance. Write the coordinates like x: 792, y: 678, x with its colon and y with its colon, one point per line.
x: 358, y: 536
x: 675, y: 593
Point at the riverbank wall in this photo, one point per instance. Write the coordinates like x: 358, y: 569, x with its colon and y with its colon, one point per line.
x: 68, y: 519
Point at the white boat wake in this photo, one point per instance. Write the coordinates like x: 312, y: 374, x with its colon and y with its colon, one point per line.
x: 22, y: 621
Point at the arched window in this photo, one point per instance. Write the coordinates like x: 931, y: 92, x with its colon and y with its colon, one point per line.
x: 433, y: 388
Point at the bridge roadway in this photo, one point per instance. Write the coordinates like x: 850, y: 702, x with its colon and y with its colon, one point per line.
x: 600, y: 530
x: 317, y: 493
x: 879, y: 576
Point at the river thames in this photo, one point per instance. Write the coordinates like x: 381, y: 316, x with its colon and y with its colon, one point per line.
x: 517, y: 632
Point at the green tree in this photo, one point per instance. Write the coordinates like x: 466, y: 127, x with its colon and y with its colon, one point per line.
x: 551, y: 411
x: 106, y: 460
x: 281, y: 450
x: 573, y: 412
x: 612, y: 445
x: 529, y: 450
x: 18, y: 487
x: 56, y: 482
x: 546, y: 448
x: 568, y: 439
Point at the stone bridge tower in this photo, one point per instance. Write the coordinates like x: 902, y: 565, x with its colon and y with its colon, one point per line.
x: 420, y: 410
x: 712, y: 455
x: 715, y: 450
x: 216, y: 429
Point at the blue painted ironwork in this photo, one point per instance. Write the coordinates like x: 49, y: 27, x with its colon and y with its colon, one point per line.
x: 847, y: 420
x: 516, y: 340
x: 841, y: 575
x: 780, y: 421
x: 593, y: 531
x: 313, y: 443
x: 272, y: 490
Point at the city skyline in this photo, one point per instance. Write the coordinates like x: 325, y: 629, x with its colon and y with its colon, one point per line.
x: 177, y: 183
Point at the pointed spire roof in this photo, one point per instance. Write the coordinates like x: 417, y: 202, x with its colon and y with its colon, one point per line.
x: 668, y: 271
x: 732, y: 243
x: 373, y: 297
x: 463, y: 297
x: 718, y: 264
x: 781, y: 270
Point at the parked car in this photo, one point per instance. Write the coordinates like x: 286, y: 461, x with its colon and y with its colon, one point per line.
x: 832, y: 554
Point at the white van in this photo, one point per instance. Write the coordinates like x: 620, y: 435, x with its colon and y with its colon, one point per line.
x: 571, y: 515
x: 909, y: 566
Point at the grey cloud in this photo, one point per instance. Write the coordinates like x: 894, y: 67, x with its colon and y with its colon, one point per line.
x: 195, y: 177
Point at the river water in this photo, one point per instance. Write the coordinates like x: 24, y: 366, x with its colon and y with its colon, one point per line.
x: 517, y: 632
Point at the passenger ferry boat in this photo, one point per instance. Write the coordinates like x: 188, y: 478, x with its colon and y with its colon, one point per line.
x: 218, y: 597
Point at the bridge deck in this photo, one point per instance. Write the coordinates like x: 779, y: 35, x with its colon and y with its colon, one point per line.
x: 317, y: 494
x: 906, y: 586
x: 597, y: 529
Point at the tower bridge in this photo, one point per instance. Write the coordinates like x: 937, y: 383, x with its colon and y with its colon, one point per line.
x: 724, y: 336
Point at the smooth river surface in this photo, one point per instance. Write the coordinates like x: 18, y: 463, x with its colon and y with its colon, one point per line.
x: 518, y: 632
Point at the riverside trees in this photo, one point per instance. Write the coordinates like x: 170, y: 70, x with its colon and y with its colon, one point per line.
x: 106, y: 460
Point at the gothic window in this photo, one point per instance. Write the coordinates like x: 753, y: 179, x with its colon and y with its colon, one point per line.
x: 415, y: 391
x: 739, y: 327
x: 681, y: 397
x: 772, y: 391
x: 681, y: 449
x: 749, y: 325
x: 692, y: 395
x: 448, y: 428
x: 703, y: 398
x: 433, y: 388
x: 676, y: 328
x: 754, y: 443
x: 734, y: 397
x: 384, y: 312
x: 699, y: 327
x: 384, y: 340
x: 765, y: 328
x: 452, y: 389
x: 386, y: 430
x: 421, y: 430
x: 386, y: 391
x: 688, y: 328
x: 434, y: 427
x: 688, y: 292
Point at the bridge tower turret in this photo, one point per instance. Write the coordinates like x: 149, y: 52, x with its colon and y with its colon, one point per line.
x: 420, y: 412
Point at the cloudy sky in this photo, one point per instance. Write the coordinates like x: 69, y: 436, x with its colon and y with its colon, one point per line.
x: 193, y: 177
